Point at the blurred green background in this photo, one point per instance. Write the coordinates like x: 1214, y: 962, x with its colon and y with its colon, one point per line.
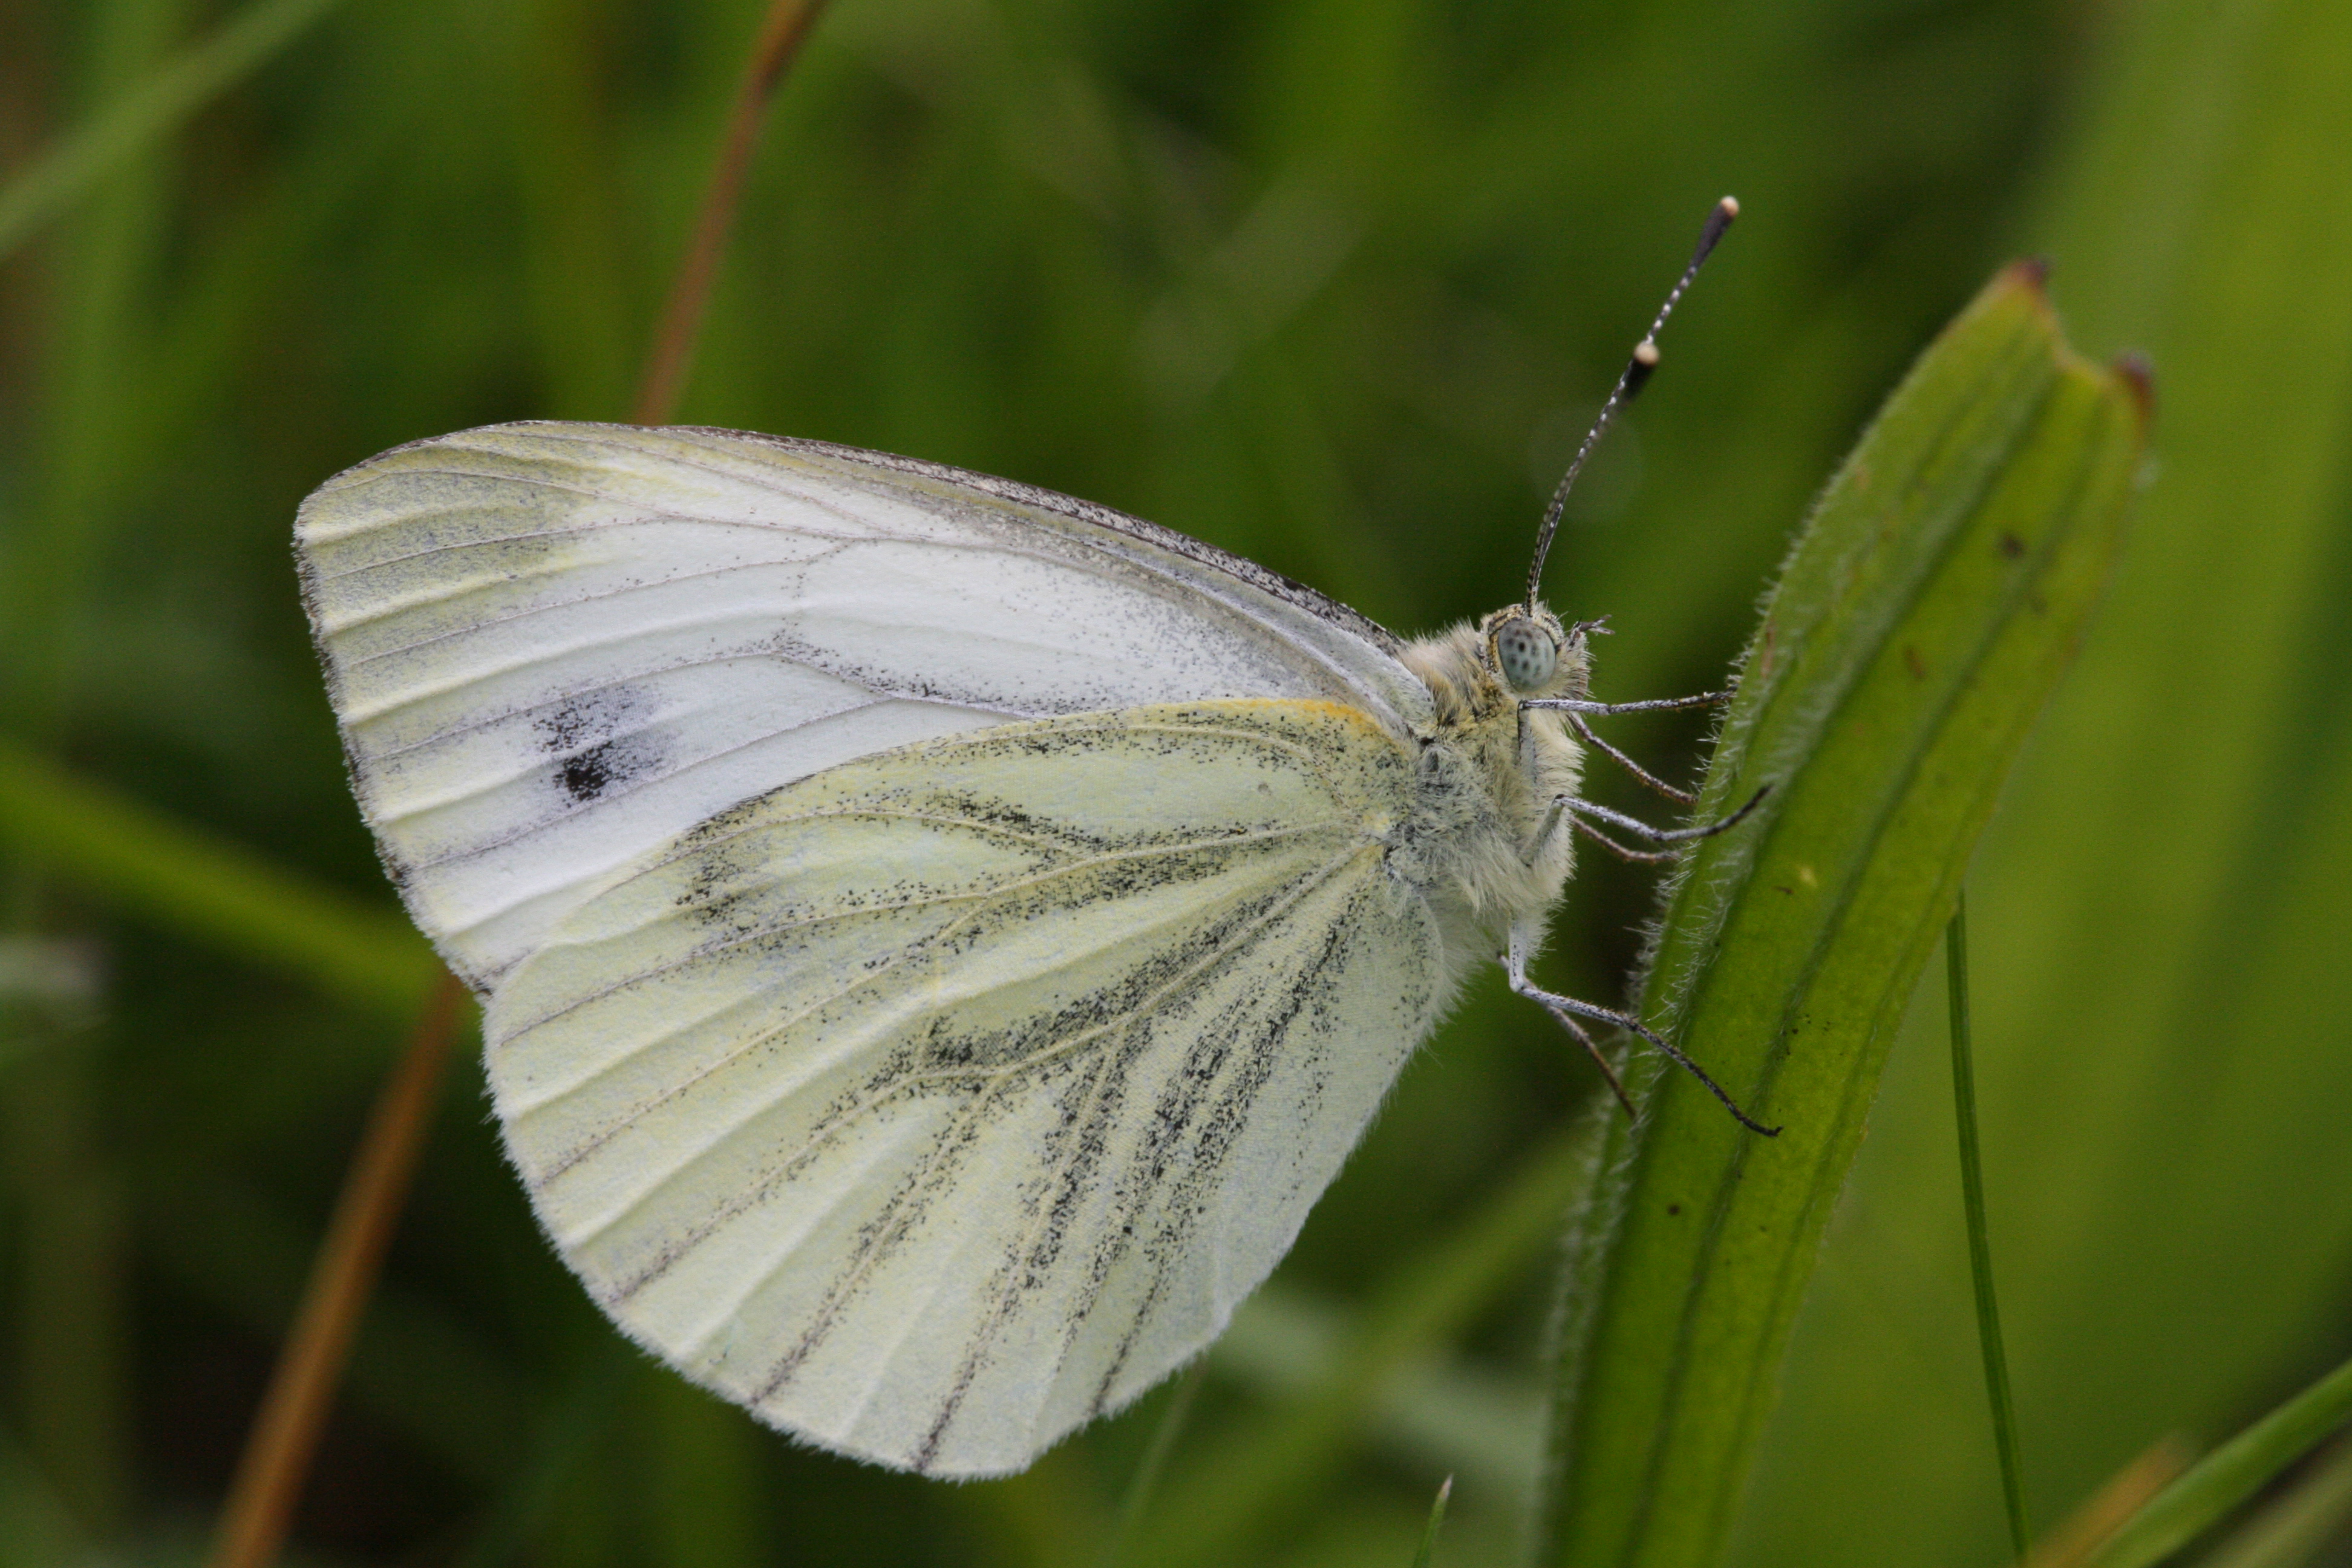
x: 1333, y: 284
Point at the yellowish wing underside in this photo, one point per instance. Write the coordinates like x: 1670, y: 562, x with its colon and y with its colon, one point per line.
x: 936, y: 1103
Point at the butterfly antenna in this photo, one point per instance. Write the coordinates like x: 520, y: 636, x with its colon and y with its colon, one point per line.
x: 1628, y: 387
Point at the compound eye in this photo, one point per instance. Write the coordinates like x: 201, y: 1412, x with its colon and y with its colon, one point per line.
x: 1527, y: 654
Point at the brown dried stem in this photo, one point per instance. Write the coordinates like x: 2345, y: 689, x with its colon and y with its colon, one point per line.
x: 277, y: 1457
x: 788, y: 23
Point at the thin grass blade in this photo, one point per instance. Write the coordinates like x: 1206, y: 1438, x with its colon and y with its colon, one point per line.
x: 208, y: 889
x: 1145, y: 1483
x: 1996, y: 1358
x: 2293, y: 1530
x: 1215, y: 1508
x: 2230, y: 1474
x: 1428, y: 1547
x: 148, y: 113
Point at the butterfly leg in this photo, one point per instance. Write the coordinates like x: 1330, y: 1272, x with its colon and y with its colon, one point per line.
x: 1571, y: 1015
x: 1624, y: 851
x: 1647, y: 705
x: 1577, y: 708
x: 1581, y: 809
x: 1643, y: 830
x: 1641, y: 774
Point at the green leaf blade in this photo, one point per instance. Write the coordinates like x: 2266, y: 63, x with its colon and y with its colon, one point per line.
x: 2210, y: 1489
x: 213, y: 892
x: 133, y: 124
x: 1930, y: 605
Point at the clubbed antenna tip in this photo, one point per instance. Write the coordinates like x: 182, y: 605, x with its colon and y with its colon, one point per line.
x: 1629, y: 385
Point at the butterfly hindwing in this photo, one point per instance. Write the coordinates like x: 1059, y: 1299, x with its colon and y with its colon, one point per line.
x: 555, y: 648
x: 935, y: 1103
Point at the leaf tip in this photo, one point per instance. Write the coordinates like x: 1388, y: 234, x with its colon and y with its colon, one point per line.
x: 2033, y: 274
x: 2139, y: 378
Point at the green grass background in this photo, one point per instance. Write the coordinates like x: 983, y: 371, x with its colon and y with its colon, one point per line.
x: 1334, y: 284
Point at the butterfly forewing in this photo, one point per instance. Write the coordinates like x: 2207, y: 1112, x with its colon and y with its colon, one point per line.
x: 935, y: 1103
x: 554, y: 649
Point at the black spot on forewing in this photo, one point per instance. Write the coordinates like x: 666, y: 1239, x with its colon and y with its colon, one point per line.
x: 601, y: 740
x: 584, y: 777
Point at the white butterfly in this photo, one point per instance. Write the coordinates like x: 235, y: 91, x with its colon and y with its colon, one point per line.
x: 937, y: 937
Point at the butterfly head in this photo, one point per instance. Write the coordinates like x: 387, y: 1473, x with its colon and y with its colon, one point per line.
x: 1527, y: 650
